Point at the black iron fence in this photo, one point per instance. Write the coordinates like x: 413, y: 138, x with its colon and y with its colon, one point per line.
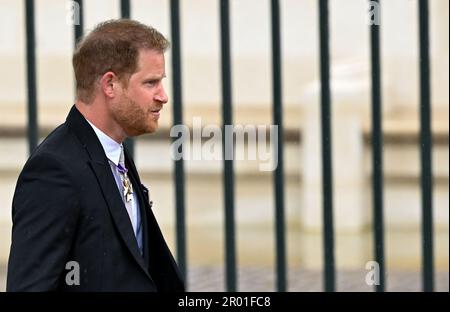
x: 278, y: 177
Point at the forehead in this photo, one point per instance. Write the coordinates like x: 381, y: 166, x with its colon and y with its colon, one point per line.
x: 151, y: 62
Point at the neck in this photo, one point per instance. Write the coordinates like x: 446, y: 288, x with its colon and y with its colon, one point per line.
x: 99, y: 115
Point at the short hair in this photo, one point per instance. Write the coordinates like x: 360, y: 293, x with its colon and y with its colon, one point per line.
x: 112, y: 45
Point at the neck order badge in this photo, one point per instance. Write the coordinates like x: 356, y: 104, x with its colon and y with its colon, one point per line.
x: 127, y: 186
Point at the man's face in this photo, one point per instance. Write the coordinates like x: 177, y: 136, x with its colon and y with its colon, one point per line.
x: 137, y: 108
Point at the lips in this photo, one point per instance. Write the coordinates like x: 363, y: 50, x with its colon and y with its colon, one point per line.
x: 156, y: 113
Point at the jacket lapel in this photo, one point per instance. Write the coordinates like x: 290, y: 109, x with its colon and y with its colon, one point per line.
x: 117, y: 210
x: 100, y: 166
x: 162, y: 267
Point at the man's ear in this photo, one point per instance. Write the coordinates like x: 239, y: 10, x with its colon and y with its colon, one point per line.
x: 108, y: 84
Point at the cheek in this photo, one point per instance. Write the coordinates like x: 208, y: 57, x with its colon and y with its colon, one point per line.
x: 143, y: 96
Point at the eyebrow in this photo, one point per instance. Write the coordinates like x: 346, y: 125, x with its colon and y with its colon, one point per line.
x: 155, y: 77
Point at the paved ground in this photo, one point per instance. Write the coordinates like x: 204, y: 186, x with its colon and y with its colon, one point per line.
x: 262, y: 279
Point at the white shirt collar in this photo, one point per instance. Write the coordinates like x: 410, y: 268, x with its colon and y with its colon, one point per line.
x: 112, y: 148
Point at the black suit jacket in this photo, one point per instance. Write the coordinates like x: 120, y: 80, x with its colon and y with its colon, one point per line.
x: 67, y: 207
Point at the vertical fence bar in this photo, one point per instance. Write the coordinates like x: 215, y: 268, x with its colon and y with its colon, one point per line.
x: 377, y: 147
x: 227, y: 146
x: 425, y: 149
x: 327, y: 168
x: 125, y: 9
x: 278, y: 121
x: 32, y: 130
x: 78, y: 25
x: 79, y: 29
x: 178, y: 120
x: 125, y: 12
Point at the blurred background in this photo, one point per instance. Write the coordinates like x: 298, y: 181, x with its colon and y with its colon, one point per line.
x: 251, y: 76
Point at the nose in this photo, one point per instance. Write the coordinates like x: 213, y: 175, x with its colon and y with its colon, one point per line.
x: 161, y: 96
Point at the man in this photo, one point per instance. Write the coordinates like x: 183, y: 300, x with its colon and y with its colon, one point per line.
x: 79, y: 206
